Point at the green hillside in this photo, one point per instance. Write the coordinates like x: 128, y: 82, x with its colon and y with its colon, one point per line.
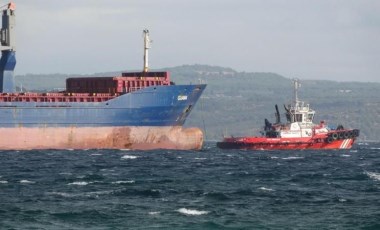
x: 236, y: 103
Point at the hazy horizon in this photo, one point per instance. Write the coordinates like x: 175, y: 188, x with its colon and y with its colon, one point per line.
x: 319, y: 40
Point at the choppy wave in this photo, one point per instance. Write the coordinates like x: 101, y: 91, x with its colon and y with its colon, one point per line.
x: 159, y: 189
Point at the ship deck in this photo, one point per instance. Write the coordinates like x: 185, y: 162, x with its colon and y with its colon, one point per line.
x: 57, y: 97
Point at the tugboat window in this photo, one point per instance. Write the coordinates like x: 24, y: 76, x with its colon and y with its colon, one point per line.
x: 298, y: 117
x: 310, y: 117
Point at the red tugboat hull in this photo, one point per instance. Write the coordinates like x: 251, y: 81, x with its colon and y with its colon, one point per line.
x: 262, y: 143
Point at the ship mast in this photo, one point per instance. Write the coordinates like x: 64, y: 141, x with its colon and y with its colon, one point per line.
x: 147, y: 46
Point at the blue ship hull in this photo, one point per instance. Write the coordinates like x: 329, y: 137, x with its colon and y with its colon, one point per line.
x: 151, y: 106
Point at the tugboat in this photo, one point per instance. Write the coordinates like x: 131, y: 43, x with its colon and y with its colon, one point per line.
x: 299, y: 132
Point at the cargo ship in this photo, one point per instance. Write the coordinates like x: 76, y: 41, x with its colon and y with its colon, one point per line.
x: 136, y: 110
x: 299, y: 132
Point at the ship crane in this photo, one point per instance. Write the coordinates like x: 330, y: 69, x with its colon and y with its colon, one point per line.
x: 8, y: 49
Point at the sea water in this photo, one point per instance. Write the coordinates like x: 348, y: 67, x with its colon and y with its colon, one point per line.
x: 208, y: 189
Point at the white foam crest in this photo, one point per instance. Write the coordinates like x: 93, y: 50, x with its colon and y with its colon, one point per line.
x: 27, y: 182
x: 105, y: 192
x: 191, y: 212
x: 374, y: 148
x: 3, y: 182
x: 63, y: 194
x: 108, y: 170
x: 200, y: 158
x: 274, y: 157
x: 154, y: 213
x: 65, y: 173
x: 292, y: 158
x: 373, y: 175
x: 86, y: 194
x: 124, y: 182
x: 80, y: 183
x: 266, y: 189
x: 96, y: 154
x: 346, y: 155
x: 129, y: 157
x: 342, y: 200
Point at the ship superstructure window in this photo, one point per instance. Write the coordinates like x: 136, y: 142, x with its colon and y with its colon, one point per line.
x: 310, y: 117
x: 298, y: 118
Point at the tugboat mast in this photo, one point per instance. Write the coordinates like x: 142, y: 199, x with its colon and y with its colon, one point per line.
x: 147, y: 46
x: 296, y: 83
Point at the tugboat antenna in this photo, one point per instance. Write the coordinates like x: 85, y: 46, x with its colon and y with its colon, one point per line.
x: 147, y: 43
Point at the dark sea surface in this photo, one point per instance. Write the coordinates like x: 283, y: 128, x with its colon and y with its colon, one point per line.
x: 208, y: 189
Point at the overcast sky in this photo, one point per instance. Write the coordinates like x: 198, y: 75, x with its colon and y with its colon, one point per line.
x: 321, y: 39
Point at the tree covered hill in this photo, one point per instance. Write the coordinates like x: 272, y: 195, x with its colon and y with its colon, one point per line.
x: 236, y: 103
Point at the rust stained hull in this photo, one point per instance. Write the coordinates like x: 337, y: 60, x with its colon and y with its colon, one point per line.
x: 129, y: 137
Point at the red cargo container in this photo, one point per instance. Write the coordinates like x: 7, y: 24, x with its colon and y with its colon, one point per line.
x: 126, y: 83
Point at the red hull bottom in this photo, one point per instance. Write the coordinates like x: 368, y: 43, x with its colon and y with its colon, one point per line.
x: 131, y: 137
x: 281, y: 144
